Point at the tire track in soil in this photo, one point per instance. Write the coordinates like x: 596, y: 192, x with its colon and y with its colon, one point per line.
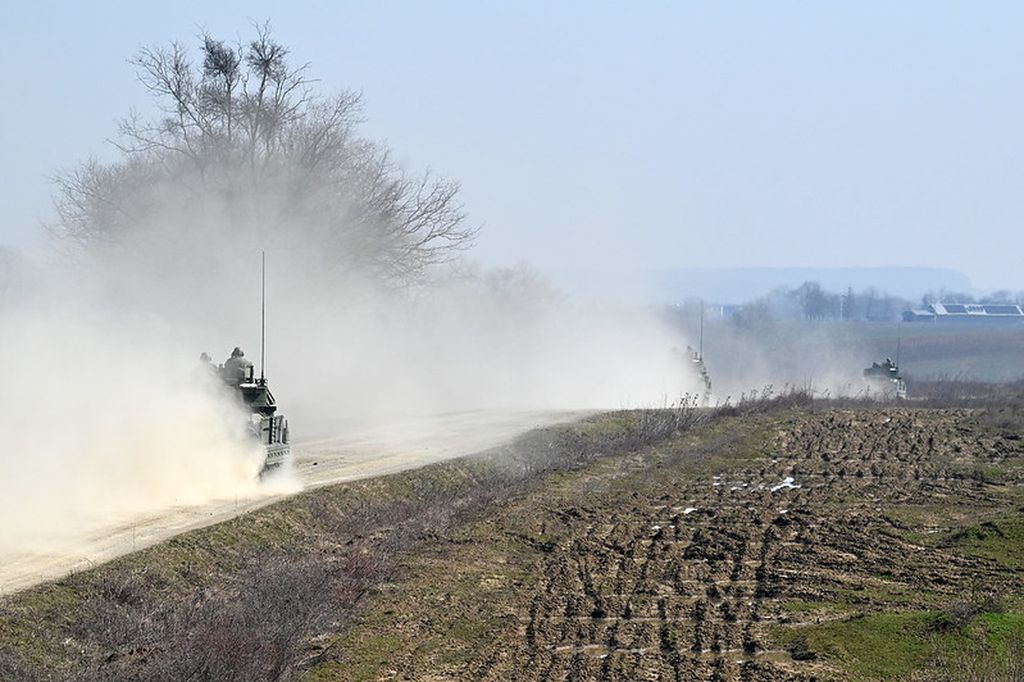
x: 656, y: 593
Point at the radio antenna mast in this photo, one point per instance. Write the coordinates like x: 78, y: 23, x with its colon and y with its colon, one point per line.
x: 899, y: 341
x: 263, y: 313
x: 700, y: 345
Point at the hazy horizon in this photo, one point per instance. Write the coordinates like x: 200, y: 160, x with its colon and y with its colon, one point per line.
x: 725, y: 285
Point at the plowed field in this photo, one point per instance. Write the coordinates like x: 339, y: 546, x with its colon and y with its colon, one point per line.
x: 829, y: 545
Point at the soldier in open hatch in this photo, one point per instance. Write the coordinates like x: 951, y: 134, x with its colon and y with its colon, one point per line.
x: 206, y: 366
x: 236, y: 368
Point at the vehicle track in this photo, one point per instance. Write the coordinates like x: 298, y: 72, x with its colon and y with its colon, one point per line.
x: 684, y: 584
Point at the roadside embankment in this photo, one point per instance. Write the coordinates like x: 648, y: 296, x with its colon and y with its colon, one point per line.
x: 257, y: 596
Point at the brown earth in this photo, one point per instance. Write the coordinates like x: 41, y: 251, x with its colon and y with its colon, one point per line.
x: 688, y: 561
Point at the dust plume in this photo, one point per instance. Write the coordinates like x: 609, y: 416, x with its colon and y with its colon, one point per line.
x: 108, y: 416
x: 101, y: 423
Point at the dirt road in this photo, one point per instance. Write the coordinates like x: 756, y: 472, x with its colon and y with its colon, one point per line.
x: 361, y: 451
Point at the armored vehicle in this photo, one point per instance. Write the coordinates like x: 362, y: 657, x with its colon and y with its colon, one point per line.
x: 268, y: 427
x: 886, y: 377
x: 265, y: 425
x: 695, y: 369
x: 697, y: 358
x: 702, y: 371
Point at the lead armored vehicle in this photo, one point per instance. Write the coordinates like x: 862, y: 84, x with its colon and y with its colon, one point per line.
x: 265, y: 424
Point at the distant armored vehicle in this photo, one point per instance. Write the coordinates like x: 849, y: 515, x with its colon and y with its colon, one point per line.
x: 702, y: 371
x: 695, y: 370
x: 697, y: 358
x: 886, y: 377
x: 265, y: 425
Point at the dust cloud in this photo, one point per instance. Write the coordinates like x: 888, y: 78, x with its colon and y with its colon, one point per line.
x: 821, y: 358
x: 107, y: 414
x: 99, y: 425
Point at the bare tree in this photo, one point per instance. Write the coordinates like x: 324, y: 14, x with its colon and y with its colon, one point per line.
x: 243, y: 132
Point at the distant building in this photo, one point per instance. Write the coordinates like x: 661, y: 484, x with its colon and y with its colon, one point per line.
x: 722, y: 311
x: 968, y: 313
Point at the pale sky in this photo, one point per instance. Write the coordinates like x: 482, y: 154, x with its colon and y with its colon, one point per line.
x: 595, y: 135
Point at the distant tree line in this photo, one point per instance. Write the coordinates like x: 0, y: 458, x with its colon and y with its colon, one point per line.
x: 810, y: 301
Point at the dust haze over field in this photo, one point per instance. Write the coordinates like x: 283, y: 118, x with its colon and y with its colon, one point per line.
x: 826, y: 359
x: 100, y: 424
x: 107, y: 413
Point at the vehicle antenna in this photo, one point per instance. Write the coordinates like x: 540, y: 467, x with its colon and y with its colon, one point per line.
x: 700, y: 345
x: 263, y: 313
x: 899, y: 340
